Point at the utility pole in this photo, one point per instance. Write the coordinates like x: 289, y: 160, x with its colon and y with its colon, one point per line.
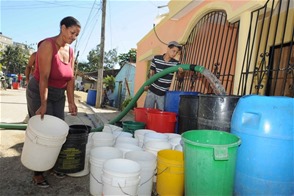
x: 100, y: 66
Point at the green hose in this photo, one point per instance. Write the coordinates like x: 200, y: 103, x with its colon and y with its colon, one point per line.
x: 13, y: 126
x: 191, y: 67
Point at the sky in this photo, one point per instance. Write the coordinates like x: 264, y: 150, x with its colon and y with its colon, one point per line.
x: 127, y: 21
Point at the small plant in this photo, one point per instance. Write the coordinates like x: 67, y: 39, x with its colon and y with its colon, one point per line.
x: 126, y: 102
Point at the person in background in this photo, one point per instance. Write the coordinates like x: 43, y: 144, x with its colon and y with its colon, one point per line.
x: 105, y: 99
x: 110, y: 96
x: 19, y: 79
x: 81, y: 87
x: 30, y: 68
x: 3, y: 80
x: 53, y: 76
x: 156, y: 91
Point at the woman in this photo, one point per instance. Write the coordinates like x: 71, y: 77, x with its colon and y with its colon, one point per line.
x: 54, y: 74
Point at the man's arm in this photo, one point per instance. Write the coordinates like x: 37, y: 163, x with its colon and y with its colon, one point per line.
x: 29, y: 66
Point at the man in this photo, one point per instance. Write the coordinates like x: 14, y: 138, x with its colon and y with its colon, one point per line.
x: 30, y: 67
x: 156, y: 91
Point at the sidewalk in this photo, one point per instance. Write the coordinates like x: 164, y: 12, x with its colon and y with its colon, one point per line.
x: 15, y: 179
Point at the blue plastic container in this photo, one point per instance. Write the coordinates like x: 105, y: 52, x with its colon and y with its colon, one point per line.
x: 172, y: 102
x: 91, y: 97
x: 265, y: 159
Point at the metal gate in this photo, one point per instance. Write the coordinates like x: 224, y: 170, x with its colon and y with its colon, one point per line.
x: 269, y: 57
x: 212, y: 44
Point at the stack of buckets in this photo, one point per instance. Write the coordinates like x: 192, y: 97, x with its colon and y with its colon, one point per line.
x: 139, y: 160
x: 130, y: 164
x: 210, y: 149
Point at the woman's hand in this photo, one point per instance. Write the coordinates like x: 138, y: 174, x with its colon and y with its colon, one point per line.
x: 73, y: 109
x: 42, y: 110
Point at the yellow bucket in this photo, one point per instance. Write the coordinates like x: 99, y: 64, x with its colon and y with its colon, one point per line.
x: 170, y: 173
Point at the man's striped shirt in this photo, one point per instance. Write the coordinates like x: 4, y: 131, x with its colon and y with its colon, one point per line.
x: 161, y: 85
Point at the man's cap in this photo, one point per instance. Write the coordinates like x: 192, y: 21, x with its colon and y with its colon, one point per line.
x: 174, y: 43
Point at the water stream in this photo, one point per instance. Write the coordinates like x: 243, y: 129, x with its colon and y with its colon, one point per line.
x: 215, y: 84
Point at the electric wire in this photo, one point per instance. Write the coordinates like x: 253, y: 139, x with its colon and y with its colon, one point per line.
x: 86, y: 25
x: 90, y: 35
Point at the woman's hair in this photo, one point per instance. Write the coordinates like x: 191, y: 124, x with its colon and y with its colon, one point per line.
x: 70, y: 21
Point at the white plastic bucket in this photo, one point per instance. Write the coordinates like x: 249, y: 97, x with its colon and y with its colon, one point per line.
x: 174, y: 141
x: 179, y: 147
x: 155, y: 137
x: 128, y: 140
x: 139, y: 134
x: 111, y: 128
x: 86, y: 170
x: 43, y: 141
x: 124, y: 147
x: 101, y: 139
x: 117, y: 134
x: 172, y: 135
x: 98, y: 156
x: 155, y: 146
x: 120, y: 177
x: 148, y: 164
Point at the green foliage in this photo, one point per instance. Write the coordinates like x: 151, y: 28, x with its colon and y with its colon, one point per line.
x: 84, y: 67
x: 110, y: 59
x: 126, y: 102
x: 109, y: 81
x: 127, y: 57
x: 14, y: 58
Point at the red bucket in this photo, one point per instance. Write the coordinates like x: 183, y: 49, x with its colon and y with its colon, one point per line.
x: 162, y: 122
x: 140, y: 114
x: 15, y: 85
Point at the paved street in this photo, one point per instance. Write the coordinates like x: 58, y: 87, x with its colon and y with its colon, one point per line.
x: 15, y: 179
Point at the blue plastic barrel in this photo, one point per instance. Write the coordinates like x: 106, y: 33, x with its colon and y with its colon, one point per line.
x: 91, y: 97
x: 172, y: 102
x: 265, y: 159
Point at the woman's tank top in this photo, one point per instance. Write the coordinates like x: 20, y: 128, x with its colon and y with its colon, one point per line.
x: 60, y: 72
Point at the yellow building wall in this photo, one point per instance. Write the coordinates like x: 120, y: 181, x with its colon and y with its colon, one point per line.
x: 178, y: 24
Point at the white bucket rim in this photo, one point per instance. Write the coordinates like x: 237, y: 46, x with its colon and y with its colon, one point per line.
x: 121, y: 167
x: 104, y: 152
x: 153, y: 145
x: 48, y: 126
x: 146, y: 159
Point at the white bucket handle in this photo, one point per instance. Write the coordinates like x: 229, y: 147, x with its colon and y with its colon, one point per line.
x: 96, y: 179
x: 124, y: 191
x: 154, y: 174
x: 118, y: 183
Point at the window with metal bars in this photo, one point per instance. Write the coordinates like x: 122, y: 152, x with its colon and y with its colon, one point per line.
x: 268, y: 63
x: 212, y: 44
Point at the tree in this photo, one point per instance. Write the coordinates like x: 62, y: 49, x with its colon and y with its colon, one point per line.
x: 127, y: 57
x: 15, y: 58
x: 110, y: 59
x: 84, y: 67
x: 109, y: 81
